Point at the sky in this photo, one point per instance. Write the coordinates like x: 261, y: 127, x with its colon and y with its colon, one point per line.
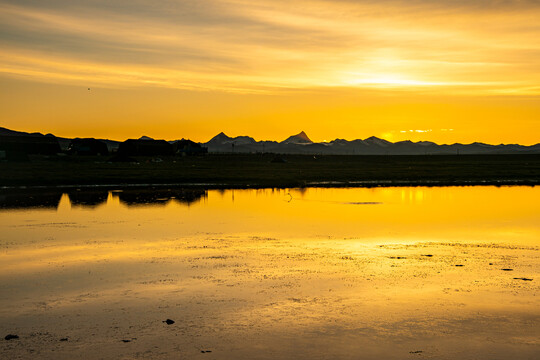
x: 445, y: 71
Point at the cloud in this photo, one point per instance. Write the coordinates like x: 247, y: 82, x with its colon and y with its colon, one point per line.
x: 418, y: 131
x: 487, y: 47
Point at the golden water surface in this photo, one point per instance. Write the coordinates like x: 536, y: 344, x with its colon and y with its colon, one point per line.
x: 391, y: 273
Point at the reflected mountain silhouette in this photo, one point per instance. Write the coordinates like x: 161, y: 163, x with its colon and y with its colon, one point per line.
x: 34, y: 199
x: 87, y: 198
x: 161, y: 197
x: 50, y: 199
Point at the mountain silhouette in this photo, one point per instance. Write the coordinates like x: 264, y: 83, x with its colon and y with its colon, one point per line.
x: 219, y: 138
x: 302, y: 144
x: 300, y: 138
x: 372, y: 140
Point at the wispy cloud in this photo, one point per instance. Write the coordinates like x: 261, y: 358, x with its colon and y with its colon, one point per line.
x: 489, y: 47
x: 418, y: 131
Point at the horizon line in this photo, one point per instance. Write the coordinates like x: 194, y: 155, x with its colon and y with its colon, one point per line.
x: 278, y: 141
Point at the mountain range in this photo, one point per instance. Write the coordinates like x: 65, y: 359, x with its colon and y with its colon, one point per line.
x: 112, y: 145
x: 302, y: 144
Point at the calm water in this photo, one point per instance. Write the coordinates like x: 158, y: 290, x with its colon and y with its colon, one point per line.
x: 259, y: 274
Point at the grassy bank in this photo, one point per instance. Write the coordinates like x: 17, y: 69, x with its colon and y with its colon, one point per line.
x: 261, y: 170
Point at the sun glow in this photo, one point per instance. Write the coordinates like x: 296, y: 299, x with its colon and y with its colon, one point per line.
x: 333, y: 68
x: 390, y: 80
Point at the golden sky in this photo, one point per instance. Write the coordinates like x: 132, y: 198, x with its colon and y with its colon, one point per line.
x: 445, y: 71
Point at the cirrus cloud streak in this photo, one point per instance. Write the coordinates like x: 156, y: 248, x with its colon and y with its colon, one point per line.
x: 265, y: 46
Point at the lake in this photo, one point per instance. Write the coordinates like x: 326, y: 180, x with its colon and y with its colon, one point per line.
x: 315, y: 273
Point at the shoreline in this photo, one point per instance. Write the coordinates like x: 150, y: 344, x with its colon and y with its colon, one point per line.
x: 322, y: 184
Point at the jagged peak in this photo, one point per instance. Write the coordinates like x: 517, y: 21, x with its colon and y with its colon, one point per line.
x: 220, y: 137
x: 300, y: 138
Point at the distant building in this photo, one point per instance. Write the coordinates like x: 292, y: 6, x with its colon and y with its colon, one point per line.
x: 188, y: 147
x: 19, y: 147
x: 134, y: 147
x: 88, y: 146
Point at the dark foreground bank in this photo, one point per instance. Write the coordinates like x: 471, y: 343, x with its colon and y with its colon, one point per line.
x: 269, y: 170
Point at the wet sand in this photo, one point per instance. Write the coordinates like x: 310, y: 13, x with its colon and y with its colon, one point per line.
x: 276, y: 298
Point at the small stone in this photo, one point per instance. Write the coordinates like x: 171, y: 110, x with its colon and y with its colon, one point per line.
x: 169, y: 322
x: 64, y: 339
x: 11, y: 336
x: 125, y: 340
x: 507, y: 269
